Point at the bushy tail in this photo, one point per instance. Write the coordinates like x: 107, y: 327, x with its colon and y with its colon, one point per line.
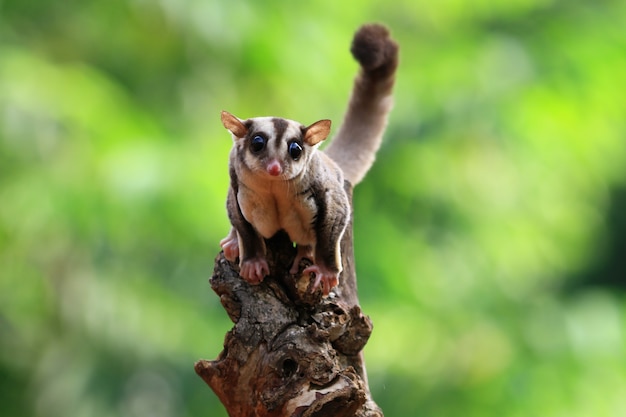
x: 355, y: 144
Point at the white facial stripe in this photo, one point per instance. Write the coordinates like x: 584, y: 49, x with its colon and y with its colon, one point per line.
x: 278, y: 130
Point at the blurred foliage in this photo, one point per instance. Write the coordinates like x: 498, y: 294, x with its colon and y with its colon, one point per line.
x: 489, y: 235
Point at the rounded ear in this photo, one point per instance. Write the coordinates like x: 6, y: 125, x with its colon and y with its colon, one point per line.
x: 317, y: 132
x: 234, y: 125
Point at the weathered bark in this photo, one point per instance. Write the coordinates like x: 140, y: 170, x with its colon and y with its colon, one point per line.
x: 291, y: 353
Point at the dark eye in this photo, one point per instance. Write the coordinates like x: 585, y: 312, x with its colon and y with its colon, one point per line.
x: 295, y: 150
x: 257, y: 144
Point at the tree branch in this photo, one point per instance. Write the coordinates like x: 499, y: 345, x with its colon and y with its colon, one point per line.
x: 291, y: 353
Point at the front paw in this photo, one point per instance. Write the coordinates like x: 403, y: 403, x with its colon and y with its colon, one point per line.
x: 324, y: 277
x: 253, y: 270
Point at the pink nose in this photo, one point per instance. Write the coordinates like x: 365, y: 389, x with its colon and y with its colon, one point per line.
x: 274, y: 168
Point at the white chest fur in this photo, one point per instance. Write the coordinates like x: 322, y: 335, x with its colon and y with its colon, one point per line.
x: 277, y: 205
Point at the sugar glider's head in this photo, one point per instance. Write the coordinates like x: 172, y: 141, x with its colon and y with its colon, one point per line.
x: 276, y: 148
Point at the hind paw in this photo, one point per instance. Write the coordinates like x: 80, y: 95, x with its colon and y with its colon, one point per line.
x: 230, y: 246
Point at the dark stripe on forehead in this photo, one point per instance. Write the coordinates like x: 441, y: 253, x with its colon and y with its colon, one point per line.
x: 280, y: 126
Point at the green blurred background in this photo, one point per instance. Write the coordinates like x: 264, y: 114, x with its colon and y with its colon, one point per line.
x: 490, y: 235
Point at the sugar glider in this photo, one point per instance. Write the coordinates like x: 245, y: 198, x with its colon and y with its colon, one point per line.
x: 281, y: 181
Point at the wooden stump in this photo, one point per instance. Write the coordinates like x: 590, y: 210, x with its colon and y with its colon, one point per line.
x: 291, y: 353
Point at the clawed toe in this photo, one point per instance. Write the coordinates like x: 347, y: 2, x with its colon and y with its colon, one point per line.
x: 324, y: 278
x: 254, y: 270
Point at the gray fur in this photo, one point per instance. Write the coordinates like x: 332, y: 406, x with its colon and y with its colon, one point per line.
x: 304, y: 196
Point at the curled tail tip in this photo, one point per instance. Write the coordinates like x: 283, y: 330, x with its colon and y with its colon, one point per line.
x: 357, y: 141
x: 375, y: 50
